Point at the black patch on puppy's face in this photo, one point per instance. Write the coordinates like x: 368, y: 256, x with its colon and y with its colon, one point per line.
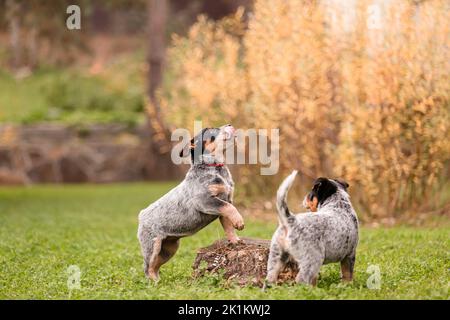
x: 198, y: 143
x: 323, y: 188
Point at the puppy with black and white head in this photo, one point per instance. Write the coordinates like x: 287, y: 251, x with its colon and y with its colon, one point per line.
x: 205, y: 194
x: 327, y: 234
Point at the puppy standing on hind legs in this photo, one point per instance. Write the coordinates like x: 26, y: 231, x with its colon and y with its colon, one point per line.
x: 315, y: 238
x: 204, y: 195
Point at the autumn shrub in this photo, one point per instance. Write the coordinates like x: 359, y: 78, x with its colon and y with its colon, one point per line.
x: 361, y: 92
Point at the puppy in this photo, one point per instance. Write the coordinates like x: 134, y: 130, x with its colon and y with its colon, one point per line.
x: 204, y: 195
x: 311, y: 239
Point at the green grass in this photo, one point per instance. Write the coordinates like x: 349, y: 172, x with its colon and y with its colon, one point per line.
x: 72, y: 97
x: 20, y: 98
x: 45, y: 229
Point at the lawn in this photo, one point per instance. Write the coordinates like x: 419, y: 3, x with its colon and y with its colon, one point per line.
x: 46, y: 229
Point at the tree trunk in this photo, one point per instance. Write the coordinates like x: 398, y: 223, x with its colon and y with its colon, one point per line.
x: 159, y: 163
x: 14, y: 32
x: 156, y: 55
x: 33, y: 48
x: 100, y: 18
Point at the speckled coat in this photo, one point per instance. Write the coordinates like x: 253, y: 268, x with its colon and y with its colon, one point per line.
x: 314, y: 238
x: 188, y: 207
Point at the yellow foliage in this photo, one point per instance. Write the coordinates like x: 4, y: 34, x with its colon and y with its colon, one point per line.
x: 369, y: 103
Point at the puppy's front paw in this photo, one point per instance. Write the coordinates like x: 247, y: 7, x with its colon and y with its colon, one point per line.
x: 238, y: 222
x: 234, y: 239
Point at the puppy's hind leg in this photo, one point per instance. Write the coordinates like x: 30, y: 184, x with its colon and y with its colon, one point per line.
x: 276, y: 262
x: 347, y: 266
x: 153, y: 268
x: 308, y: 269
x: 150, y: 247
x: 169, y: 247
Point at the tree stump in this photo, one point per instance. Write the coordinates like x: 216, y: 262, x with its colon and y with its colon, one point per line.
x: 244, y: 263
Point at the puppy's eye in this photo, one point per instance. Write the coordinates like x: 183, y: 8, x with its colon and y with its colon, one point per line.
x: 213, y: 138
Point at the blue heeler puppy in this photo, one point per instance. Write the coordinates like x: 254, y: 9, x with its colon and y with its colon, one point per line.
x: 315, y: 238
x: 204, y: 195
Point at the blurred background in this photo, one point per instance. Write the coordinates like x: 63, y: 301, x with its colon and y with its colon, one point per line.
x: 359, y: 90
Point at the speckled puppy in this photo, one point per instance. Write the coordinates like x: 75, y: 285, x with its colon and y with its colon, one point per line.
x: 204, y: 195
x: 313, y: 239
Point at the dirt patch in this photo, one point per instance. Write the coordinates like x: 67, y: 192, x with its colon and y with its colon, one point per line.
x: 244, y: 263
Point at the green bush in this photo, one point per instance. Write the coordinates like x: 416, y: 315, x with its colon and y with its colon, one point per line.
x: 71, y: 96
x: 75, y: 97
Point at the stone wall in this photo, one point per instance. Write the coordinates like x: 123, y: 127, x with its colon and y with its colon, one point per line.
x: 62, y: 154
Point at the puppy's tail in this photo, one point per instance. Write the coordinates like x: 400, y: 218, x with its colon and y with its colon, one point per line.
x: 283, y: 210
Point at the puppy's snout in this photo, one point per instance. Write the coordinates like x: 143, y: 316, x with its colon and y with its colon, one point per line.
x: 229, y: 131
x: 310, y: 202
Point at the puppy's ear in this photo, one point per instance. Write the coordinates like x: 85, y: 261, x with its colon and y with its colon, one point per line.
x: 316, y: 186
x: 187, y: 148
x: 343, y: 183
x: 325, y: 188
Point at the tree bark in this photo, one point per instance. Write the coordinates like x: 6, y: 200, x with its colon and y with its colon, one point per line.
x: 14, y: 32
x: 156, y: 56
x: 159, y: 163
